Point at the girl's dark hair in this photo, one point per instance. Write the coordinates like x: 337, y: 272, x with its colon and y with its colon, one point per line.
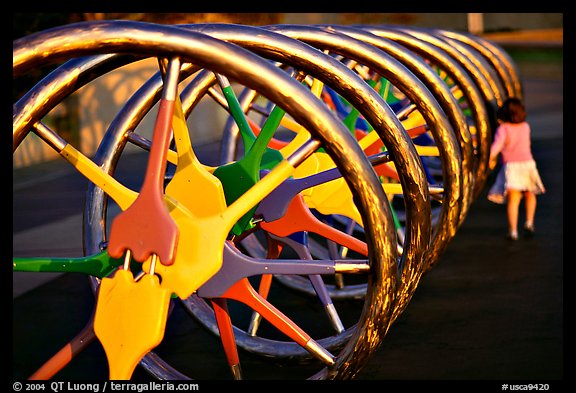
x: 512, y: 111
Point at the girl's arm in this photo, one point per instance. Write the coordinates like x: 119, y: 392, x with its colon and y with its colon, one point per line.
x: 497, y: 145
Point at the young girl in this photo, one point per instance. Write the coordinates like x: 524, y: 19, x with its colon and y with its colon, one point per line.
x: 518, y: 176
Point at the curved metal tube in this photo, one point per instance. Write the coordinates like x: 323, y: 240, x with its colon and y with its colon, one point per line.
x: 444, y: 97
x: 285, y: 49
x: 102, y: 37
x: 305, y: 58
x: 470, y: 60
x: 496, y: 55
x: 483, y: 66
x: 500, y: 81
x: 482, y: 116
x: 417, y: 92
x: 60, y: 83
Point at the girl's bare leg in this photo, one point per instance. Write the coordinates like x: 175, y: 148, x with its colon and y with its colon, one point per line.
x: 513, y: 203
x: 530, y: 205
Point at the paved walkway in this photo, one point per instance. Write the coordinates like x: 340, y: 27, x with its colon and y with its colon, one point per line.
x: 491, y: 309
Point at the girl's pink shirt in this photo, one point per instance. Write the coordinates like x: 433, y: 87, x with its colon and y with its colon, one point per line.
x: 513, y: 141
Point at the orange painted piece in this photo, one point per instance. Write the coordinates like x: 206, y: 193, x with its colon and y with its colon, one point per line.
x: 416, y: 131
x: 66, y: 354
x: 374, y: 148
x: 299, y: 218
x: 146, y: 228
x: 265, y: 284
x: 386, y: 170
x: 328, y: 100
x: 226, y: 331
x: 243, y: 292
x: 130, y: 319
x: 274, y: 249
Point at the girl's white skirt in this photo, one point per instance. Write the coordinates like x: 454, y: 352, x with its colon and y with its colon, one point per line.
x: 521, y: 176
